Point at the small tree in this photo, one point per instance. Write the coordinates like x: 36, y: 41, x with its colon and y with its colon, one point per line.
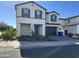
x: 3, y: 26
x: 9, y: 33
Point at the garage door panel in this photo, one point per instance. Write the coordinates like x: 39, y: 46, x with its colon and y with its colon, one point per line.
x: 51, y: 31
x: 25, y: 29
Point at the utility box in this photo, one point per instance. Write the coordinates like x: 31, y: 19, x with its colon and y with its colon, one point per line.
x: 60, y: 32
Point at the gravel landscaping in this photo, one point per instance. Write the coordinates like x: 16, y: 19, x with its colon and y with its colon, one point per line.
x: 10, y: 44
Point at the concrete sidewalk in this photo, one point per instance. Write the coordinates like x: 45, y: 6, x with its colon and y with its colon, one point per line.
x: 45, y: 44
x: 10, y: 53
x: 10, y: 44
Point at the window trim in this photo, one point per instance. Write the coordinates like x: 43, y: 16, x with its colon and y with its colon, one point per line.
x: 55, y: 19
x: 22, y: 11
x: 36, y: 14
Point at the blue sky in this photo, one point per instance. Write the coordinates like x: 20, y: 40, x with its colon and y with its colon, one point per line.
x: 64, y: 8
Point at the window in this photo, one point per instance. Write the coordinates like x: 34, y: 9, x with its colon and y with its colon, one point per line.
x: 25, y: 12
x: 68, y: 21
x: 38, y: 14
x: 53, y: 18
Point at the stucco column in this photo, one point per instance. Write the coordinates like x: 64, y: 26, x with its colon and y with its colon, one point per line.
x: 18, y: 31
x: 43, y: 29
x: 32, y: 29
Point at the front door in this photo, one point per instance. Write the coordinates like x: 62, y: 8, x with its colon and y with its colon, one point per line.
x: 66, y: 32
x: 36, y: 27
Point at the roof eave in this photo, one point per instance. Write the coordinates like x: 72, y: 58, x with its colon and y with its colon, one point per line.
x: 29, y: 2
x: 53, y: 12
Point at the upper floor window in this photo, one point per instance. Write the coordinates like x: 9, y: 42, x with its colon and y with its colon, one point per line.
x: 25, y: 12
x: 53, y: 18
x: 68, y: 21
x: 38, y: 14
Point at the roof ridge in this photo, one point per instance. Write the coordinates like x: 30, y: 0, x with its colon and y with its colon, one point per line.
x: 30, y: 2
x: 72, y: 17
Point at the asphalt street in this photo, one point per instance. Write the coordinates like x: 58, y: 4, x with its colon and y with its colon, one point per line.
x: 66, y: 51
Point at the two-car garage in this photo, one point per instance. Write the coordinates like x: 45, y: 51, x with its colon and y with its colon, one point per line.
x: 51, y: 31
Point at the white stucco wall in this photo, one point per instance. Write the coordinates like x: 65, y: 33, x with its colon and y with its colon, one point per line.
x: 32, y: 7
x: 32, y: 22
x: 48, y: 18
x: 62, y: 22
x: 71, y: 29
x: 74, y: 20
x: 78, y: 29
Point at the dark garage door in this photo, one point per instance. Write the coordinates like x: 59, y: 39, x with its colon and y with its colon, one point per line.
x: 51, y: 31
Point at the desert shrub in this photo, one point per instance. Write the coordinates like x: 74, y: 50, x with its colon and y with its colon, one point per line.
x: 9, y: 34
x: 25, y: 38
x: 32, y: 38
x: 3, y: 26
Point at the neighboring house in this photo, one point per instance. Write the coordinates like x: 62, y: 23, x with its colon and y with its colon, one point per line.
x: 72, y: 25
x: 31, y: 18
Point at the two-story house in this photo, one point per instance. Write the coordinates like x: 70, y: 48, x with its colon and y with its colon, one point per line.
x: 33, y: 19
x: 30, y: 18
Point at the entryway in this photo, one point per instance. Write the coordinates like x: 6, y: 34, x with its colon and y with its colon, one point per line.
x: 66, y: 32
x: 37, y: 29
